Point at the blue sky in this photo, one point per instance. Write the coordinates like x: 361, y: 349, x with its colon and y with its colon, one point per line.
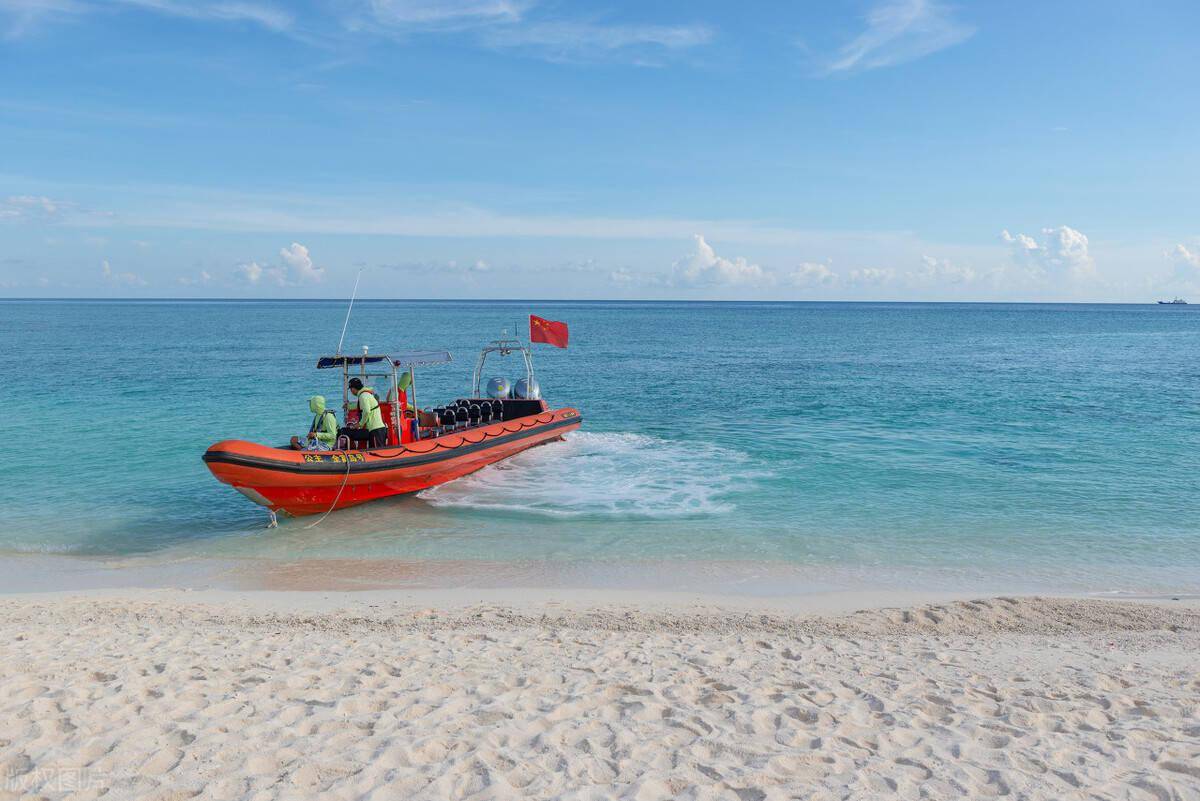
x: 904, y: 149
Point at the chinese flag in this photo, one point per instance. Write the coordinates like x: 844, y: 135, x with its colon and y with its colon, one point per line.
x: 548, y: 331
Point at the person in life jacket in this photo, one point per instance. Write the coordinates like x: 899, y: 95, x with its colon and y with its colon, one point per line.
x: 371, y: 429
x: 322, y: 434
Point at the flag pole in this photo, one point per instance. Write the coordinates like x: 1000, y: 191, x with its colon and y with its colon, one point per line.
x: 529, y: 353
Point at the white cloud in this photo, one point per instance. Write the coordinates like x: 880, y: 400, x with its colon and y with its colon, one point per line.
x: 300, y: 268
x: 1022, y: 244
x: 812, y: 275
x: 872, y: 276
x: 121, y: 279
x: 182, y: 206
x: 203, y: 279
x: 297, y: 269
x: 934, y: 270
x: 21, y: 16
x: 511, y: 24
x: 32, y: 209
x: 586, y: 40
x: 1186, y: 261
x: 250, y: 272
x: 263, y: 14
x: 704, y: 268
x: 497, y: 24
x: 1181, y: 255
x: 24, y: 15
x: 436, y: 267
x: 440, y: 13
x: 1062, y: 251
x: 627, y: 278
x: 899, y: 31
x: 24, y: 208
x: 622, y: 276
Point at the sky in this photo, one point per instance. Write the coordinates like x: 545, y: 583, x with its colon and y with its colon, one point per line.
x: 859, y: 150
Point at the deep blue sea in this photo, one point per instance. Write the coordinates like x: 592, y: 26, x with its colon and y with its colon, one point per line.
x: 801, y: 445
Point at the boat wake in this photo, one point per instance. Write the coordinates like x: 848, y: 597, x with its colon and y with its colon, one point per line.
x: 606, y: 475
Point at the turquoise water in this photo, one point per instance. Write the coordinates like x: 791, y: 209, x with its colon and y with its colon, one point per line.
x: 1026, y: 446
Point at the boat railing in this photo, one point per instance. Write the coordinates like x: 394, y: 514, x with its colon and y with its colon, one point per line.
x: 503, y: 347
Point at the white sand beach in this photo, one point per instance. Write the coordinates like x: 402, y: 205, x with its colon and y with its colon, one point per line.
x: 170, y: 695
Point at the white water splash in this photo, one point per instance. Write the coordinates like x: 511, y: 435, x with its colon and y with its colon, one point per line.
x: 608, y: 475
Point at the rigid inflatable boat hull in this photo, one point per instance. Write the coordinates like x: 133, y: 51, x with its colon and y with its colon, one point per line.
x: 313, y: 482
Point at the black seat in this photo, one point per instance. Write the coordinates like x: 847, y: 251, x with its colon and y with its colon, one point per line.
x: 515, y: 408
x: 461, y: 416
x: 473, y: 412
x: 446, y: 418
x: 485, y: 412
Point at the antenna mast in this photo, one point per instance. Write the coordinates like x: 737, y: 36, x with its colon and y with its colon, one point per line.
x: 353, y: 295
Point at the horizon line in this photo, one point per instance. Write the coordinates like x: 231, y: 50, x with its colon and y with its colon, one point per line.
x: 170, y: 299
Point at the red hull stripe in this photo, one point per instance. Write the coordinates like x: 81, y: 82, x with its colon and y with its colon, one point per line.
x: 334, y: 468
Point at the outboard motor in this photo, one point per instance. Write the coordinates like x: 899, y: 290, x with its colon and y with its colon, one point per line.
x: 499, y: 388
x: 527, y: 389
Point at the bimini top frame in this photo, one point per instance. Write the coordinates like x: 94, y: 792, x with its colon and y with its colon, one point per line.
x: 504, y: 347
x: 383, y: 366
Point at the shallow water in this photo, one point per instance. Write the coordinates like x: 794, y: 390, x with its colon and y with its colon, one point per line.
x: 1024, y: 446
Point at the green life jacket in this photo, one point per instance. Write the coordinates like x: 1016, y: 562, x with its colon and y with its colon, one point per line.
x: 370, y: 418
x: 318, y: 423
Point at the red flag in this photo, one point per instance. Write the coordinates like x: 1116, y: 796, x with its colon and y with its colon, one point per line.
x: 548, y: 331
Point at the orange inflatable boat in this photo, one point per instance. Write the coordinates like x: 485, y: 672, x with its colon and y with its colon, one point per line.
x: 424, y: 447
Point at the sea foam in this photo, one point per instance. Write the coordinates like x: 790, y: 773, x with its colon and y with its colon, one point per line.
x: 604, y: 475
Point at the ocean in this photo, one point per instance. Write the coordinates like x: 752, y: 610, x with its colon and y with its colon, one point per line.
x: 747, y: 447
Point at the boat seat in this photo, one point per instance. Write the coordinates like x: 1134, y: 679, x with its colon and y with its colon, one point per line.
x: 462, y: 417
x: 474, y: 413
x: 514, y: 408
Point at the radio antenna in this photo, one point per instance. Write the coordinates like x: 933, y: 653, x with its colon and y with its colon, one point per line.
x: 353, y: 295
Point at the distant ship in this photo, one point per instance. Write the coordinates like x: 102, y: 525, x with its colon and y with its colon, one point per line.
x: 1176, y: 302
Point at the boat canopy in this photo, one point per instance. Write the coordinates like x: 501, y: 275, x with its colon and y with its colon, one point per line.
x: 405, y: 359
x: 326, y: 362
x: 421, y: 358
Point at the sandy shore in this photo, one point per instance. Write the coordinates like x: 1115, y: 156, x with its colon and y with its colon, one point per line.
x: 155, y: 695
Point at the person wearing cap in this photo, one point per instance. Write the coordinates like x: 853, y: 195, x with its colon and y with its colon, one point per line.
x: 370, y: 430
x: 324, y: 429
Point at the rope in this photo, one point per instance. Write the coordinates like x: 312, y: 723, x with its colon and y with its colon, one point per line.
x: 336, y: 498
x: 353, y: 295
